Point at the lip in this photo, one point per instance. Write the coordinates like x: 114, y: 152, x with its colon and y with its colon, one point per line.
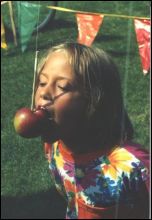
x: 46, y: 104
x: 47, y: 109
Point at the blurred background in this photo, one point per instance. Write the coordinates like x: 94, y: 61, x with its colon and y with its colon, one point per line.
x: 27, y: 190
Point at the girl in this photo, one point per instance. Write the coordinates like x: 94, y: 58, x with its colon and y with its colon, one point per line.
x: 94, y: 165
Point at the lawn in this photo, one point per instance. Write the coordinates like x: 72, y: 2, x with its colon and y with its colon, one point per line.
x: 25, y: 175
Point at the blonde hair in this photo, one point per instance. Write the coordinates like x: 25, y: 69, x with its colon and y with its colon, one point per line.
x: 99, y: 76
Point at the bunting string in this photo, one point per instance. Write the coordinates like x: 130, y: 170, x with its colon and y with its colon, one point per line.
x: 88, y: 27
x: 93, y: 13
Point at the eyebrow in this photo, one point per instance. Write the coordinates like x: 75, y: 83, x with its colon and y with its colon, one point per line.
x: 58, y: 77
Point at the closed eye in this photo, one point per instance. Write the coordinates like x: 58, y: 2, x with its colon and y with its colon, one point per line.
x: 65, y: 88
x: 42, y: 84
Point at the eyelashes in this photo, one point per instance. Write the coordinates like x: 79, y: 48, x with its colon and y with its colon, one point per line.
x: 65, y: 88
x: 41, y: 84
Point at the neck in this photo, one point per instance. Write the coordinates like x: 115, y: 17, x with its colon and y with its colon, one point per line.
x: 84, y: 143
x: 84, y: 139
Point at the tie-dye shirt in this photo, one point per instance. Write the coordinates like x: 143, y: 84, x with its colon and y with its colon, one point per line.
x: 94, y: 184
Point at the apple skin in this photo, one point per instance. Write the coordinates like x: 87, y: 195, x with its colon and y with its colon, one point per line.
x: 30, y: 124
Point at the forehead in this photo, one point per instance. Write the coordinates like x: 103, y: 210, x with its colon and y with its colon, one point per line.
x: 58, y: 57
x: 57, y: 62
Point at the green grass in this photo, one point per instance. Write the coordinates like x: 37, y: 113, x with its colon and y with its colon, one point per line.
x: 24, y: 168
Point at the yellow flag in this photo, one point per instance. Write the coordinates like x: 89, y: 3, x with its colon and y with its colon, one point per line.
x: 3, y: 41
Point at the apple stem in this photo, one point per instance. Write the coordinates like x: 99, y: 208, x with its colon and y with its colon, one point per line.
x: 34, y: 80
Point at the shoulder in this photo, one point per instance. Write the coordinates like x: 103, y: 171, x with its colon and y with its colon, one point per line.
x: 131, y: 161
x: 130, y: 152
x: 125, y: 160
x: 139, y: 152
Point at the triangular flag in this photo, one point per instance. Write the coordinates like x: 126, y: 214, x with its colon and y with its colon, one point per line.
x: 142, y: 28
x: 3, y: 41
x: 88, y: 27
x: 28, y: 15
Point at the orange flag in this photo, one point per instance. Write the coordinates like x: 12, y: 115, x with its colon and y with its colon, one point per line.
x: 88, y: 27
x: 142, y: 28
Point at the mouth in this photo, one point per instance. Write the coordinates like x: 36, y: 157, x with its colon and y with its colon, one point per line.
x: 46, y: 104
x: 47, y: 110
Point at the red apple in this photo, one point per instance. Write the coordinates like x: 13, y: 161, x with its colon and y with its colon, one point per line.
x: 30, y: 123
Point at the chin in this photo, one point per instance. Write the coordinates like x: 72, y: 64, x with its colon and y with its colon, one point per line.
x: 51, y: 135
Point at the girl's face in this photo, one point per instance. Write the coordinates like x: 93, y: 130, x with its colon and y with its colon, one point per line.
x: 57, y: 81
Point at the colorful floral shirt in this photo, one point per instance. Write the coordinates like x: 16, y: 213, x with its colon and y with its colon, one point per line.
x: 101, y: 184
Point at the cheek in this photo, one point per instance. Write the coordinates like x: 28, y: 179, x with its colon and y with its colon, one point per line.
x: 70, y: 110
x: 36, y: 98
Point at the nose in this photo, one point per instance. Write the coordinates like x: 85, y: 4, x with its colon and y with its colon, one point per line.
x: 46, y: 94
